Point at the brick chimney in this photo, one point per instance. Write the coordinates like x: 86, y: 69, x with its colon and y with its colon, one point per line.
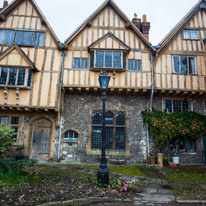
x: 143, y: 26
x: 136, y: 21
x: 4, y: 5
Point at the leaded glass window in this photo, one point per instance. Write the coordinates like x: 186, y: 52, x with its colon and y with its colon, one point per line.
x: 191, y: 34
x: 16, y: 77
x: 70, y: 135
x: 21, y: 77
x: 4, y: 120
x: 2, y: 36
x: 177, y: 105
x: 134, y: 65
x: 107, y: 59
x: 22, y: 37
x: 76, y: 63
x: 114, y: 130
x: 84, y: 63
x: 3, y: 76
x: 184, y: 65
x: 12, y: 76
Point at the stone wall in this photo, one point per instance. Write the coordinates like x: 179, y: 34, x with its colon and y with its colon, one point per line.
x: 77, y: 116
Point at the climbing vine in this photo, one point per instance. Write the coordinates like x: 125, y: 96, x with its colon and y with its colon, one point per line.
x: 165, y: 126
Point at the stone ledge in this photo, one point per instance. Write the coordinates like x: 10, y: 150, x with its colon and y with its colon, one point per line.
x: 85, y: 201
x: 109, y: 153
x: 191, y: 201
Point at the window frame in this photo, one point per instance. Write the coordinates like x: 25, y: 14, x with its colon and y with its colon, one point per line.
x: 180, y: 65
x: 114, y: 126
x: 73, y: 138
x: 134, y: 61
x: 172, y: 102
x: 98, y: 67
x: 80, y: 63
x: 12, y: 125
x: 190, y: 34
x: 34, y: 32
x: 27, y: 77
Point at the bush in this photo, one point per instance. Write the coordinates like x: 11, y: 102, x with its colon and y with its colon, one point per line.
x: 18, y: 172
x: 6, y: 139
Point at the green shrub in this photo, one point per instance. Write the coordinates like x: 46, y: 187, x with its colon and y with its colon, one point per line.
x: 6, y: 139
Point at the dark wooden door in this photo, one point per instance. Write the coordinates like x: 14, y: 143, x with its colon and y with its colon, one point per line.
x: 41, y: 140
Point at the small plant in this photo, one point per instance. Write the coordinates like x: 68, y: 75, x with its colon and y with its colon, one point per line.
x: 166, y: 159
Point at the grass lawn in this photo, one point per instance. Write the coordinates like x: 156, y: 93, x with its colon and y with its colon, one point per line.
x: 184, y: 193
x: 187, y: 178
x: 127, y: 170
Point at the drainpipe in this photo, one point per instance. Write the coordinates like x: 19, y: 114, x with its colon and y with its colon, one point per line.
x: 152, y: 94
x: 151, y: 98
x: 63, y: 54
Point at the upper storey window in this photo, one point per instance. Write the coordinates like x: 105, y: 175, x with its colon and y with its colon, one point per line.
x: 191, y: 34
x: 22, y: 37
x: 16, y: 77
x: 184, y: 65
x: 108, y: 59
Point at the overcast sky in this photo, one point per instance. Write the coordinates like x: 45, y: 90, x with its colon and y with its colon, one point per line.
x: 66, y: 15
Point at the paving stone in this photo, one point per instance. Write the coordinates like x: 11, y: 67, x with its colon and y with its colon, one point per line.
x: 55, y: 203
x: 137, y: 203
x: 165, y: 192
x: 82, y: 201
x: 151, y: 190
x: 137, y: 198
x: 68, y: 203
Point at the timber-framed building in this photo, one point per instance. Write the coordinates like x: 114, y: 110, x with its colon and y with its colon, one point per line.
x: 50, y: 92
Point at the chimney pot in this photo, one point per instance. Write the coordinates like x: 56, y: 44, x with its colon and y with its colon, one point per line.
x: 135, y: 16
x: 144, y: 18
x: 5, y: 4
x: 136, y: 21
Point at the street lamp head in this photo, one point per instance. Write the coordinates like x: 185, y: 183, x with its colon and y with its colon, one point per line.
x: 104, y: 80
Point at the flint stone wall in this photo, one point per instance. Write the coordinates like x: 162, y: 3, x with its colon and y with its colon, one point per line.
x: 77, y: 116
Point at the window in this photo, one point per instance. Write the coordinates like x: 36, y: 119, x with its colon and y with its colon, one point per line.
x: 177, y: 105
x: 70, y: 135
x: 12, y: 121
x: 190, y: 34
x: 108, y: 59
x: 134, y: 65
x: 182, y: 145
x: 114, y: 130
x: 16, y: 77
x: 184, y: 65
x: 22, y: 37
x: 80, y: 63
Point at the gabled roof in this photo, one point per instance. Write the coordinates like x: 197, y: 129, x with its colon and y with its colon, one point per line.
x: 21, y: 52
x: 8, y: 10
x: 119, y: 11
x: 178, y: 27
x: 110, y: 35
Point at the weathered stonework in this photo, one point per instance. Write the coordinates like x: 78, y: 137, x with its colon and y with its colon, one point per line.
x: 78, y: 110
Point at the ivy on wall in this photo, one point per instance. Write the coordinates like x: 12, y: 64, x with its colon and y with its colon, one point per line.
x: 165, y: 126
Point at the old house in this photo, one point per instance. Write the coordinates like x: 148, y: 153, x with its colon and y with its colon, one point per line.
x: 108, y: 41
x: 180, y: 76
x: 50, y: 93
x: 30, y: 63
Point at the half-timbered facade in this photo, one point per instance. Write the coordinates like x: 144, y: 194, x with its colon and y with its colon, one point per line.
x: 180, y: 76
x: 30, y: 64
x: 108, y: 41
x: 50, y: 93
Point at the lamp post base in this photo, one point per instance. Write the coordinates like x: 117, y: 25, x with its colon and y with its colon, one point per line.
x: 103, y: 176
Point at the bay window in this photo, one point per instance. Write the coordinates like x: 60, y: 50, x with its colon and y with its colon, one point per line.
x: 108, y: 59
x: 10, y: 76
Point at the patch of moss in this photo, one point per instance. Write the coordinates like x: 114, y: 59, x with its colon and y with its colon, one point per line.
x: 184, y: 193
x: 187, y: 178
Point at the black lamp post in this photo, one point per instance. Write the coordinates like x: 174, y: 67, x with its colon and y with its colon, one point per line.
x: 103, y: 172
